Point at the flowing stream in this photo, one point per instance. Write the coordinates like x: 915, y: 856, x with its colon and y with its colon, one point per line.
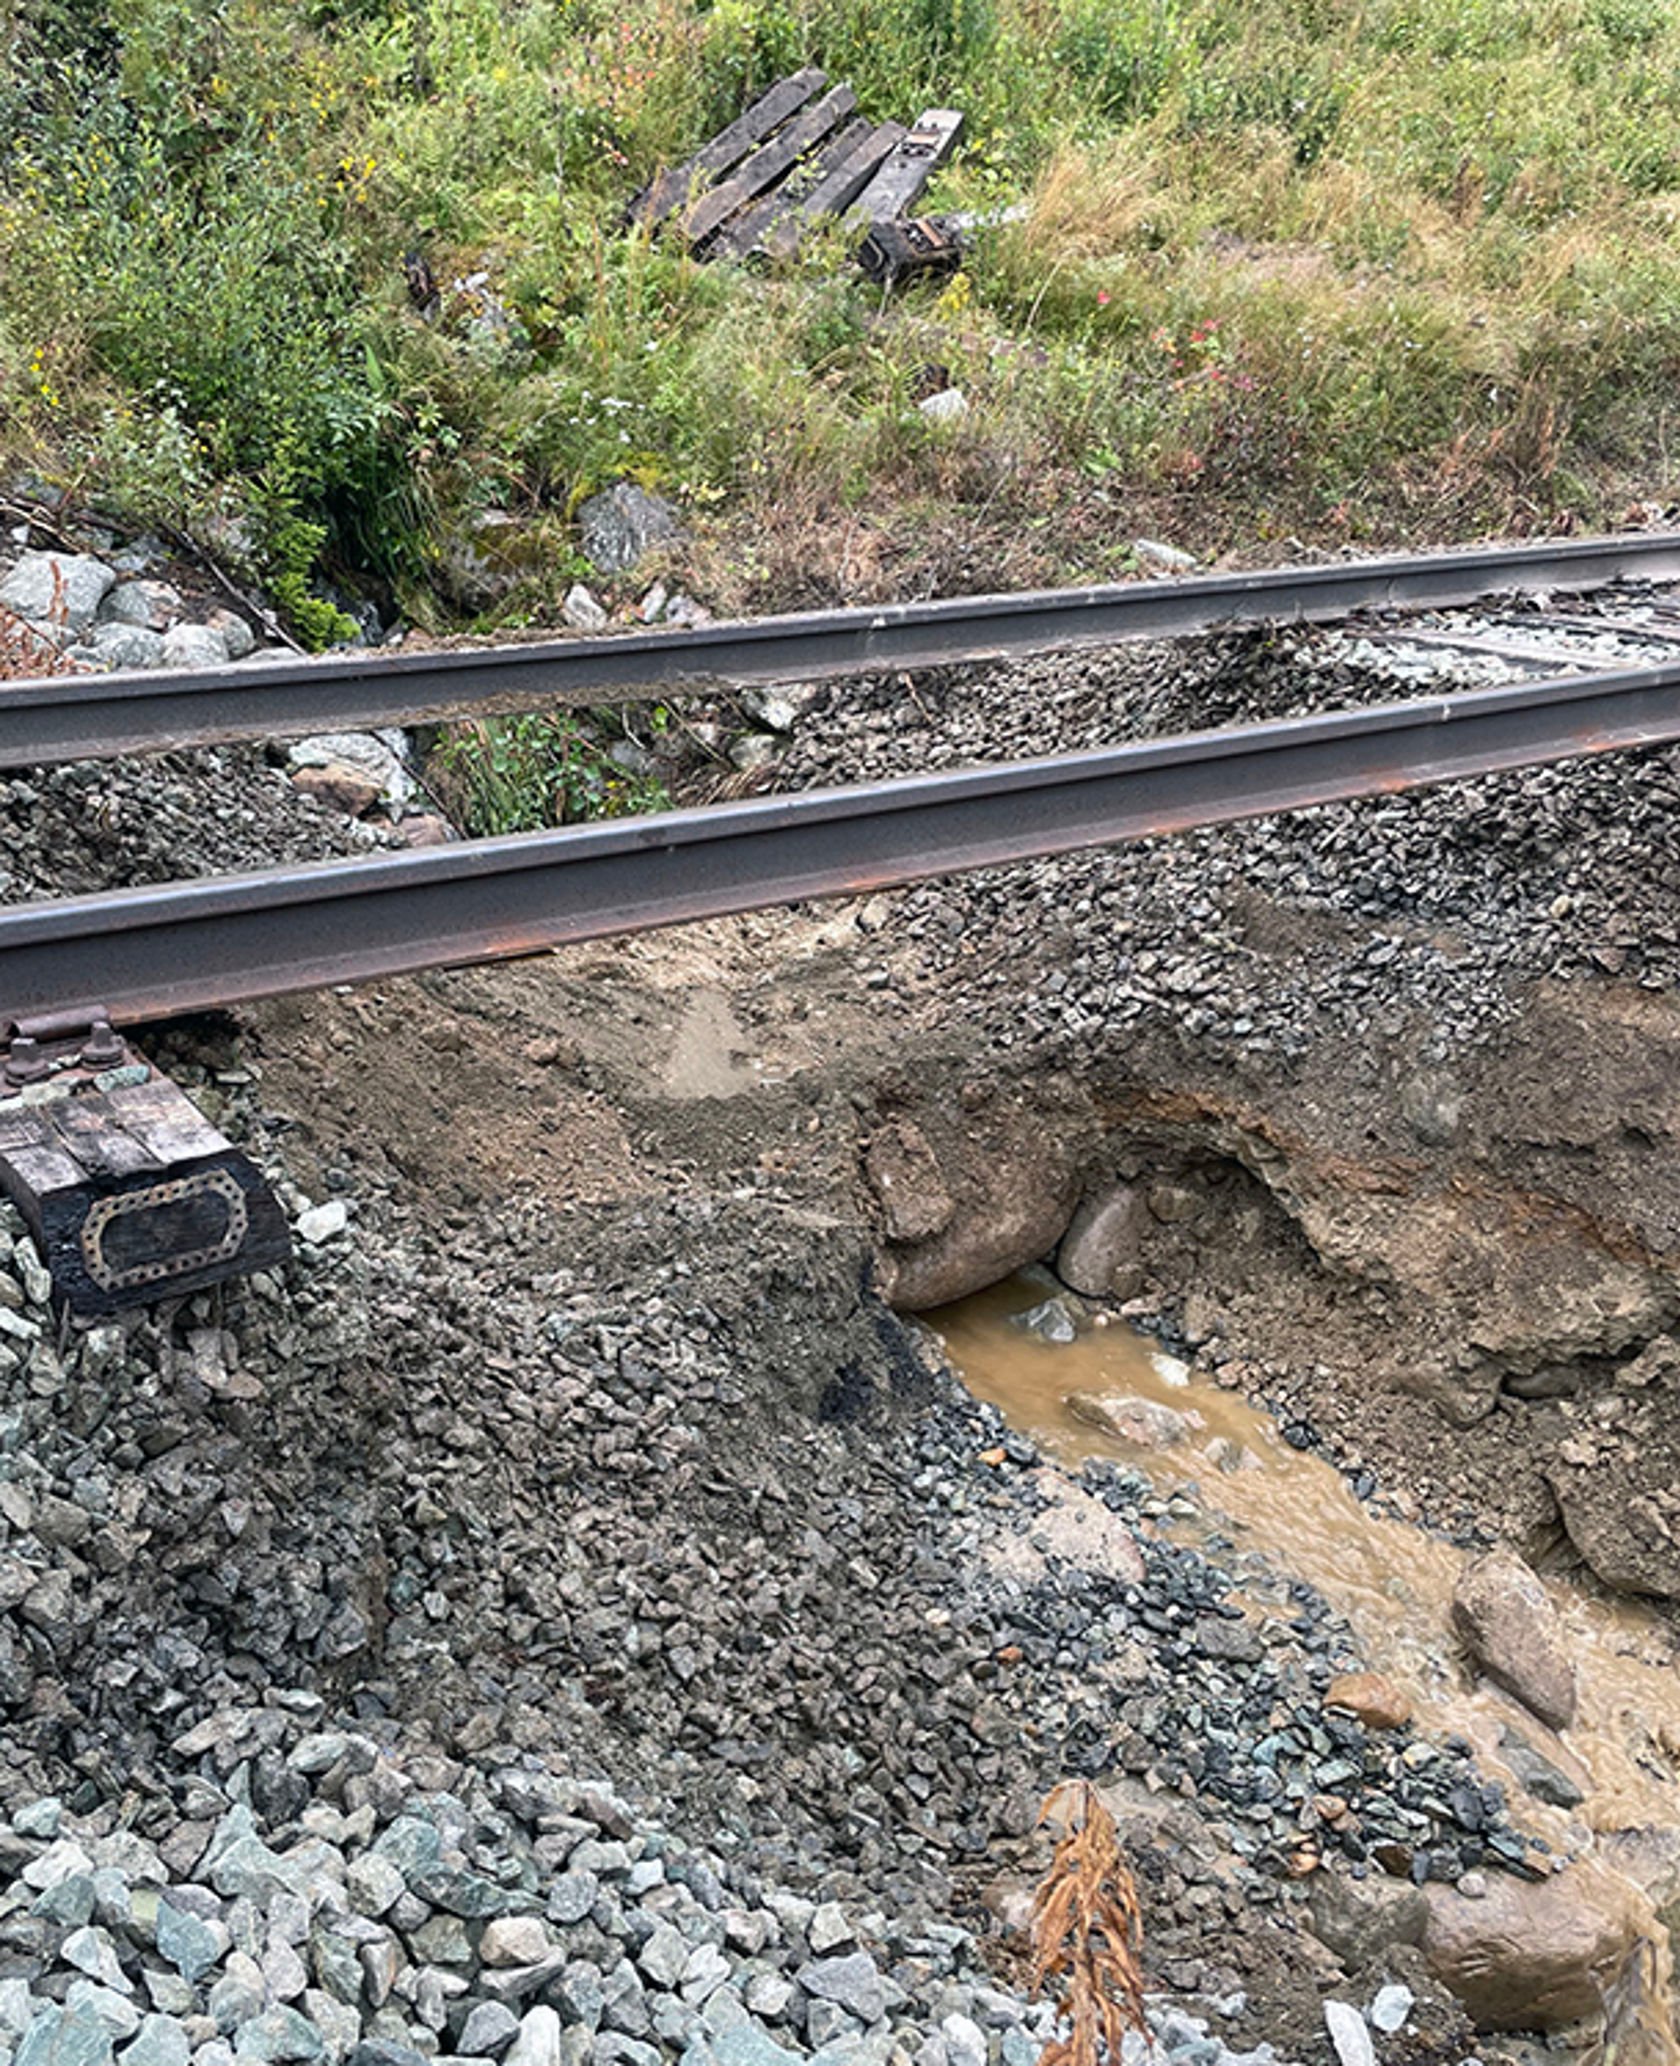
x: 1391, y: 1581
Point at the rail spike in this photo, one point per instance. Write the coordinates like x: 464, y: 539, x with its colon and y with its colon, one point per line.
x: 129, y: 1191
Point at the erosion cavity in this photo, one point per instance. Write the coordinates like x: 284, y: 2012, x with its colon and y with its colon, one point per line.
x: 1453, y: 1643
x: 1464, y: 1272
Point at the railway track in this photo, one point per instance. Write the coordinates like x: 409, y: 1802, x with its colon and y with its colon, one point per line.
x: 143, y: 954
x: 99, y: 717
x: 131, y: 1197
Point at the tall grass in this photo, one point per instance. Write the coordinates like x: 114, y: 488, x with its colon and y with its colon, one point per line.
x: 1299, y: 267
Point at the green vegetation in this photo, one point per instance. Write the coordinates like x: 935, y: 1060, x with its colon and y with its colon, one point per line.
x: 1298, y: 267
x: 518, y: 774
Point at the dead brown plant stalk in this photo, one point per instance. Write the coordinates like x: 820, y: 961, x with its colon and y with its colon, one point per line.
x: 1087, y: 1931
x: 24, y: 653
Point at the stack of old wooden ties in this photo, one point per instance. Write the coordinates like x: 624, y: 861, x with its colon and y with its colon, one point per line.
x: 797, y: 155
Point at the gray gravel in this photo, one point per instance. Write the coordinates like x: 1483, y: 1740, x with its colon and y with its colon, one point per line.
x: 442, y: 1517
x: 101, y: 825
x: 1444, y: 897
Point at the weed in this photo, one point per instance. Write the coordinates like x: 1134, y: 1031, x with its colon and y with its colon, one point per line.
x: 1087, y: 1931
x: 519, y: 774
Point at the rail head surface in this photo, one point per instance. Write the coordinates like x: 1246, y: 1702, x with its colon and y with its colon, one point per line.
x: 152, y: 952
x: 85, y: 717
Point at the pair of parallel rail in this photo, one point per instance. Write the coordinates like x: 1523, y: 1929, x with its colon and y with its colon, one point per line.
x: 147, y: 953
x: 137, y: 955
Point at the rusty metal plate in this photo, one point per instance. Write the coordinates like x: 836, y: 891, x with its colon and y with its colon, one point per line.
x: 140, y: 1239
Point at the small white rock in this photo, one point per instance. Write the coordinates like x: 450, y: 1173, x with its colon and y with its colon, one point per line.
x: 1390, y: 2008
x: 538, y: 2042
x: 950, y: 405
x: 779, y: 706
x: 583, y: 613
x: 965, y: 2041
x: 323, y: 1222
x: 194, y: 645
x: 1173, y: 558
x: 1348, y: 2034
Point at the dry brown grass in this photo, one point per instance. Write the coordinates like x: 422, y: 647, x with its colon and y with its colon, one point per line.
x: 1087, y: 1931
x: 1089, y: 203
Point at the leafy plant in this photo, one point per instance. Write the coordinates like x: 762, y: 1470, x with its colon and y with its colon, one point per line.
x: 519, y: 774
x: 1087, y: 1931
x: 293, y: 545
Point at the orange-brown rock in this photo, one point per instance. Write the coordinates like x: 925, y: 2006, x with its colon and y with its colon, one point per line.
x: 339, y: 787
x: 426, y: 828
x: 1370, y: 1698
x: 1528, y: 1956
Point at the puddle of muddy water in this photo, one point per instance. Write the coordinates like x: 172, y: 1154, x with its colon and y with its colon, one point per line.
x: 1392, y: 1582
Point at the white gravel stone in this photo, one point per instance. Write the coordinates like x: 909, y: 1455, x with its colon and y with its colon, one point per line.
x: 965, y: 2041
x: 538, y: 2042
x: 93, y: 1953
x: 829, y: 1930
x: 1348, y: 2034
x: 194, y: 645
x: 56, y: 1863
x: 581, y: 610
x: 321, y: 1223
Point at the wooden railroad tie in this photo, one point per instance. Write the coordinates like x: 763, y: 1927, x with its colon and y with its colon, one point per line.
x: 130, y: 1193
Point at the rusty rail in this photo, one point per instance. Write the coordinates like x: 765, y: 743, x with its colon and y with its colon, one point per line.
x: 147, y: 953
x: 96, y: 717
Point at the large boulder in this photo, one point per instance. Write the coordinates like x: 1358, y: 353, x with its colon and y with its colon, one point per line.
x: 1502, y: 1613
x: 623, y: 524
x: 1529, y: 1955
x: 903, y: 1172
x: 1103, y: 1235
x: 1011, y: 1182
x: 60, y: 589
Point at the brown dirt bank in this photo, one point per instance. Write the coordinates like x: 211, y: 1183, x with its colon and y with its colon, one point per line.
x: 1445, y: 1262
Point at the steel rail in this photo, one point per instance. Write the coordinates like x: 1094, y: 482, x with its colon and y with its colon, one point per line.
x: 149, y: 953
x: 91, y: 717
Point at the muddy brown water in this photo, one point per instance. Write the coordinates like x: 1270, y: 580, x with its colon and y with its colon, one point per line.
x: 1392, y: 1582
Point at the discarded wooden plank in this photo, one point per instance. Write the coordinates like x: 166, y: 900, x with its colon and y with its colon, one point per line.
x: 748, y: 229
x: 680, y: 184
x: 902, y: 178
x: 834, y: 193
x: 768, y: 164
